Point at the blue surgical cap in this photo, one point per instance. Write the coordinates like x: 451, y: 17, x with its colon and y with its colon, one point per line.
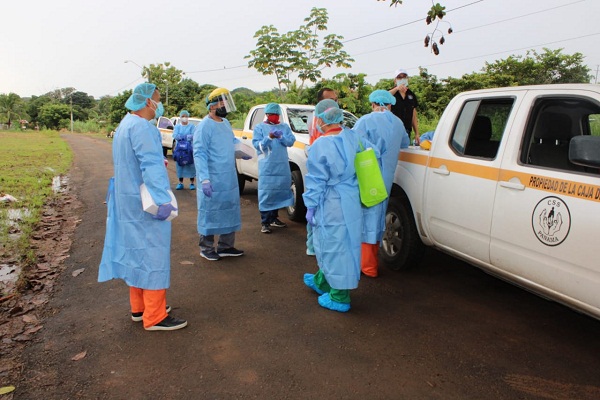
x: 382, y: 97
x: 184, y: 112
x: 329, y: 111
x: 137, y: 100
x: 273, y: 108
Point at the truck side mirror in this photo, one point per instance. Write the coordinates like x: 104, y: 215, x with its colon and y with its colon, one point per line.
x: 585, y: 150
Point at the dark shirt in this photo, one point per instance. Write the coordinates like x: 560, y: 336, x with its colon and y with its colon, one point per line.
x: 404, y: 107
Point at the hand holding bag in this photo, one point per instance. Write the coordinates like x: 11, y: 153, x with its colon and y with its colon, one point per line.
x: 370, y: 181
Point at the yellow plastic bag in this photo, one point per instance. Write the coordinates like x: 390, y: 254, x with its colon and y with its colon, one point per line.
x: 370, y: 181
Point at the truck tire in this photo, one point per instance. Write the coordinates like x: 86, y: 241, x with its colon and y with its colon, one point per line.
x: 401, y: 246
x: 241, y: 181
x: 297, y: 211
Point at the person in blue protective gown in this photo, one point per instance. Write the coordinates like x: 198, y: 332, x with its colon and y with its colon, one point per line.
x: 333, y: 208
x: 387, y: 134
x: 137, y: 244
x: 271, y: 140
x: 219, y: 199
x: 184, y: 131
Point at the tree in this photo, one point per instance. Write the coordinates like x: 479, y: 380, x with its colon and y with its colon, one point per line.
x: 10, y: 107
x: 165, y: 77
x: 117, y: 107
x: 53, y: 115
x: 34, y: 105
x: 535, y: 69
x: 298, y: 52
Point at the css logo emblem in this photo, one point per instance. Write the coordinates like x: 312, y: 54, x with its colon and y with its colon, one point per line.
x: 373, y: 192
x: 551, y: 221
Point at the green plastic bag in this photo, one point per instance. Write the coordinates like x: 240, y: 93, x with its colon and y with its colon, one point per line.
x: 370, y: 181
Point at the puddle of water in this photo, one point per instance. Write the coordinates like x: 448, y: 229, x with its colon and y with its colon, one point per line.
x: 9, y: 273
x: 59, y: 183
x: 17, y: 214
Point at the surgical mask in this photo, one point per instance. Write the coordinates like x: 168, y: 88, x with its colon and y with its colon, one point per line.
x: 402, y: 81
x: 184, y: 120
x: 320, y: 129
x: 221, y: 112
x: 273, y: 119
x: 160, y: 109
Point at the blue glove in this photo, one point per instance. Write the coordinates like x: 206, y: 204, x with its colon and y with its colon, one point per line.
x: 246, y: 157
x: 277, y: 134
x: 164, y: 211
x: 207, y: 189
x: 310, y: 216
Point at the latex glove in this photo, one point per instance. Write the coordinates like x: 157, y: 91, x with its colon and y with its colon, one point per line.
x: 246, y: 157
x: 207, y: 189
x: 276, y: 135
x: 310, y: 216
x: 164, y: 211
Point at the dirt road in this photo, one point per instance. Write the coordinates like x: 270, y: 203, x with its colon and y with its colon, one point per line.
x: 442, y: 331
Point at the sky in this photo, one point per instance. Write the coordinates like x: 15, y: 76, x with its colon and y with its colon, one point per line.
x: 52, y: 44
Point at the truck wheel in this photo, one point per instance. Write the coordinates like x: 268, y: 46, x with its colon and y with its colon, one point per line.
x: 297, y: 211
x: 401, y: 246
x: 241, y: 182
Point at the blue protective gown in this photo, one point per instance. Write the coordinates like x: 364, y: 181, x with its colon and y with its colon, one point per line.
x: 136, y: 246
x: 184, y: 132
x: 387, y: 134
x: 274, y: 174
x: 331, y: 188
x: 214, y: 158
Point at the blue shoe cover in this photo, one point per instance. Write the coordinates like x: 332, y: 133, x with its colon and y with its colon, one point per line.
x: 326, y: 302
x: 179, y: 186
x: 192, y: 186
x: 309, y: 280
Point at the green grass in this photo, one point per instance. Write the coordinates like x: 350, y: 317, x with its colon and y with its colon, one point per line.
x: 29, y: 161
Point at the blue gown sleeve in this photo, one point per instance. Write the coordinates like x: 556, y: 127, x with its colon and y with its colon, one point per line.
x: 260, y: 138
x: 148, y: 151
x: 201, y: 145
x: 318, y: 174
x: 178, y: 133
x: 288, y: 139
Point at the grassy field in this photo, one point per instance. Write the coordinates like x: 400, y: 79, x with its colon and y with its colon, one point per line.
x: 29, y: 161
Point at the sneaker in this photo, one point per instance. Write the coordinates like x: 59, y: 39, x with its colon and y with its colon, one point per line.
x: 168, y: 324
x: 230, y: 252
x: 137, y: 316
x: 265, y: 229
x: 210, y: 255
x: 326, y: 302
x: 192, y: 186
x: 179, y: 186
x: 309, y: 280
x: 278, y: 224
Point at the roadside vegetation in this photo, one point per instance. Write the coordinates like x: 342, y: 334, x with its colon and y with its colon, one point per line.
x: 29, y: 164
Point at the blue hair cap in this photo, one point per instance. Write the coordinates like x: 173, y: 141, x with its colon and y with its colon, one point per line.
x: 382, y: 97
x: 137, y: 100
x: 273, y: 108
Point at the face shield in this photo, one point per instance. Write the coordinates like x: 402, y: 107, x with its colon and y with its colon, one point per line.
x: 225, y: 100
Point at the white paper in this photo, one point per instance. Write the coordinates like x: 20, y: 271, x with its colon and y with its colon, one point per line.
x: 150, y: 206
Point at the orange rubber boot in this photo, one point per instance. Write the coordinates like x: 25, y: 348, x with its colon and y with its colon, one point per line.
x: 369, y: 263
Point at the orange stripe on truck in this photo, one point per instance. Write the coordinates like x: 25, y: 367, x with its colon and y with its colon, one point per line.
x: 570, y: 188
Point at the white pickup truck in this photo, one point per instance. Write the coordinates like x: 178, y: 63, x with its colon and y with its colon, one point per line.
x: 298, y: 117
x: 511, y: 184
x: 166, y: 126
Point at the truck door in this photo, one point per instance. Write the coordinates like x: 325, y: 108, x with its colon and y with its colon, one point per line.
x: 546, y: 218
x: 462, y: 175
x: 250, y: 167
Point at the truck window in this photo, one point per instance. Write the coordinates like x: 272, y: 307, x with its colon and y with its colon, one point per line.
x: 257, y: 117
x: 552, y: 124
x: 299, y: 119
x: 480, y: 127
x: 165, y: 123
